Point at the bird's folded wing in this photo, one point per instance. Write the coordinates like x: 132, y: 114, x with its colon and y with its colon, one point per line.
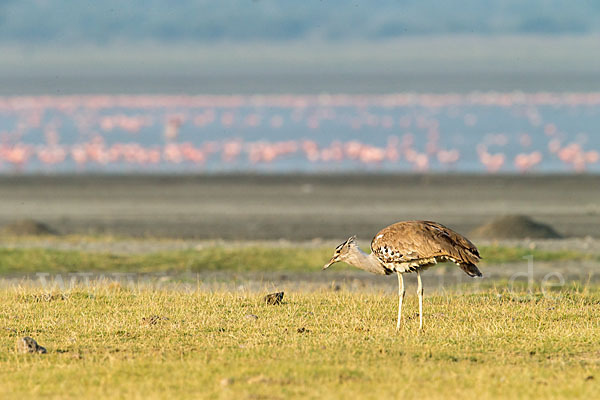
x: 416, y: 240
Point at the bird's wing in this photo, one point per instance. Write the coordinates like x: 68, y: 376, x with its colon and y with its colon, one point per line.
x: 417, y: 240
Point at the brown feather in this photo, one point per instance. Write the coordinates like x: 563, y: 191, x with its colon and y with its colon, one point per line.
x: 423, y: 243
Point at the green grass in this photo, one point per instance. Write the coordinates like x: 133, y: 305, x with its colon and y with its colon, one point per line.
x: 256, y: 258
x: 102, y: 343
x: 14, y: 261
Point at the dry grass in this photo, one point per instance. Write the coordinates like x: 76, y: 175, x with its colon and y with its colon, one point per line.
x: 113, y: 342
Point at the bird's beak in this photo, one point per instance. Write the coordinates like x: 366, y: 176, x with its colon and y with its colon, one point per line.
x: 332, y: 261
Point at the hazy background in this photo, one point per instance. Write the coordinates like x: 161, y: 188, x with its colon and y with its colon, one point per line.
x: 301, y: 47
x: 300, y: 120
x: 491, y: 86
x: 111, y: 21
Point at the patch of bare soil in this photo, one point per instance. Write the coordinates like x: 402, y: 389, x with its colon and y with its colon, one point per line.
x: 515, y: 227
x: 27, y: 227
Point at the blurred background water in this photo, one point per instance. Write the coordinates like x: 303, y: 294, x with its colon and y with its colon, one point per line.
x: 480, y: 132
x: 497, y: 86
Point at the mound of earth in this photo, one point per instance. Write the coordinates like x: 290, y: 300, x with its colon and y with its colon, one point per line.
x: 27, y: 227
x: 515, y: 227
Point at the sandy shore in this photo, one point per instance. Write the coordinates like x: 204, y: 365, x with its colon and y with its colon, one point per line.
x: 293, y: 207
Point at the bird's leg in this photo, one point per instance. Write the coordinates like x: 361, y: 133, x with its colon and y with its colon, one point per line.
x: 401, y: 297
x: 420, y: 293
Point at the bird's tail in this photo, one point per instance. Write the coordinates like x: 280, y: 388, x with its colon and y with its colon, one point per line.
x: 470, y: 269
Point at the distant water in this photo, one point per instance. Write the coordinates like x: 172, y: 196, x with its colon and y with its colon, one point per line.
x: 478, y: 132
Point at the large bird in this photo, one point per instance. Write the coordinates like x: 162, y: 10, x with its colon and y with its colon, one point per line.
x: 410, y: 246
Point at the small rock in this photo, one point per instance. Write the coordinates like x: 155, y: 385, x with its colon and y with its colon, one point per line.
x: 274, y: 298
x: 251, y: 317
x: 29, y: 345
x: 51, y: 297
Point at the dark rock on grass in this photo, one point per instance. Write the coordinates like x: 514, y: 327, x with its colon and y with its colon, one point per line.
x: 29, y: 345
x: 274, y: 298
x: 47, y: 297
x: 515, y: 227
x: 27, y: 227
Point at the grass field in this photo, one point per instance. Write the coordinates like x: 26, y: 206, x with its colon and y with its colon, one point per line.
x: 113, y: 342
x: 226, y: 258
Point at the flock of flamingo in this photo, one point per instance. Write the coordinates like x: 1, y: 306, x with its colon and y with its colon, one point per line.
x: 477, y: 132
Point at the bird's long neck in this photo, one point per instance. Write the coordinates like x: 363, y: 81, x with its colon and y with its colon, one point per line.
x: 364, y: 261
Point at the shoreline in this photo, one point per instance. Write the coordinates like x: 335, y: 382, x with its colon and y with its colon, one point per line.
x: 293, y: 207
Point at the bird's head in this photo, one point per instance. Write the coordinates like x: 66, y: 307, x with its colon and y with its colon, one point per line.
x: 342, y: 252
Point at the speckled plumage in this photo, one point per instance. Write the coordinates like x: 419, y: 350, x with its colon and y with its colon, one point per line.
x: 411, y: 245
